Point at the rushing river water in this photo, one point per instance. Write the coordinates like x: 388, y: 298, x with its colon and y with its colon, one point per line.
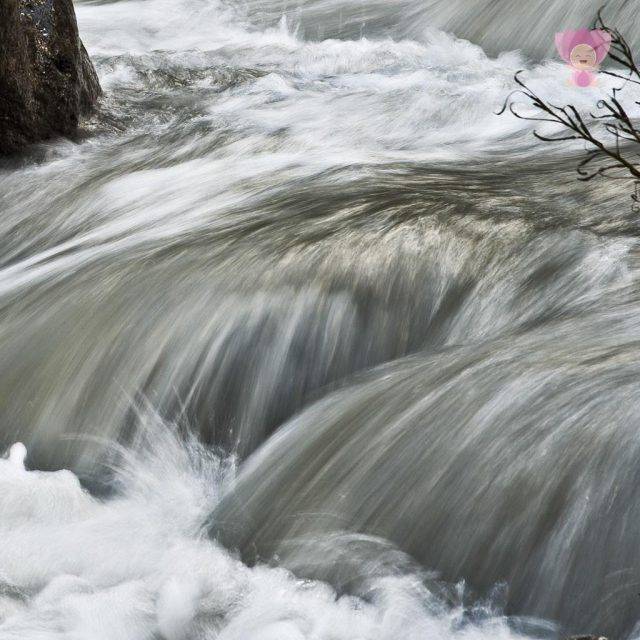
x: 330, y: 350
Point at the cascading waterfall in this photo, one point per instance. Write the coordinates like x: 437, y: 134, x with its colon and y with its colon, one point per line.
x: 305, y: 342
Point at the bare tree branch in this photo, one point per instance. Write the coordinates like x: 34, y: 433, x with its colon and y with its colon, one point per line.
x: 616, y: 122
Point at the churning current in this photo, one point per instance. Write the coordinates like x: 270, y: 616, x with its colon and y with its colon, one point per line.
x: 304, y: 342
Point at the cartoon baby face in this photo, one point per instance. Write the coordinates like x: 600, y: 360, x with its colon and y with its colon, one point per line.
x: 583, y: 57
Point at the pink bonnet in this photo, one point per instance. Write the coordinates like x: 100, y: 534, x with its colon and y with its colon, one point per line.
x: 598, y: 39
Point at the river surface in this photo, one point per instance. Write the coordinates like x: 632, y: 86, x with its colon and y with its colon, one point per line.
x: 305, y: 342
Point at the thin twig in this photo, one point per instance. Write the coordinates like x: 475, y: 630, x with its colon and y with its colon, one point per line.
x: 618, y: 123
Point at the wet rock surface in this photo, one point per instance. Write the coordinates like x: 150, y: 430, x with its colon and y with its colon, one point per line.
x: 47, y: 81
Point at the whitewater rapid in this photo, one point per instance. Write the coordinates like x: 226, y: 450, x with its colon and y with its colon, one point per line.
x: 305, y: 342
x: 138, y: 566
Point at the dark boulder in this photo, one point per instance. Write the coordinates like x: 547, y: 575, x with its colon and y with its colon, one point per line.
x: 47, y: 81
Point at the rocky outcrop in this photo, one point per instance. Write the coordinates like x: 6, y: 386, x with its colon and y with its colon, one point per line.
x: 47, y: 81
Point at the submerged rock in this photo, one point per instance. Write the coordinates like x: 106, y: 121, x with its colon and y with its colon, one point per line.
x: 47, y: 80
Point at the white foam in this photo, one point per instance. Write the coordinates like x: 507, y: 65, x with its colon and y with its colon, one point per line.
x: 17, y: 456
x: 136, y: 565
x: 345, y: 101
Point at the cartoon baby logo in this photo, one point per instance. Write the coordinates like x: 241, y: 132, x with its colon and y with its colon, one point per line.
x: 583, y: 51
